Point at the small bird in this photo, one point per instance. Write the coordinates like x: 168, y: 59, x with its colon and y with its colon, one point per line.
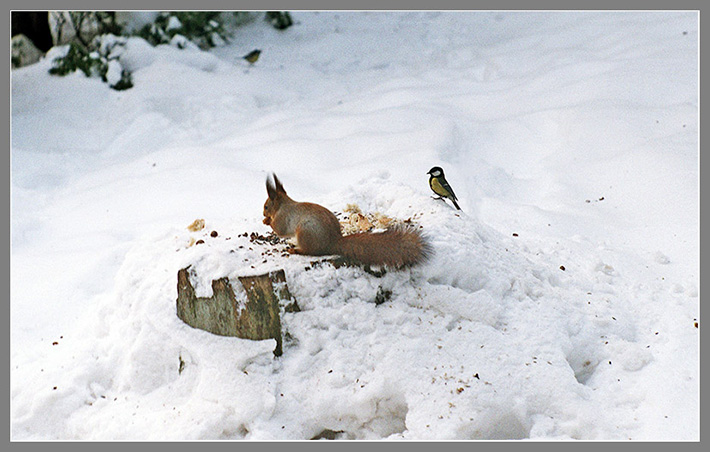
x: 438, y: 184
x: 252, y: 56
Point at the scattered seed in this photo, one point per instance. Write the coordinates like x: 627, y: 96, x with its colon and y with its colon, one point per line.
x: 196, y: 225
x: 213, y: 234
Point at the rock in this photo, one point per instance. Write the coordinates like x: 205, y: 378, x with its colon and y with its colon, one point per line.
x: 24, y: 52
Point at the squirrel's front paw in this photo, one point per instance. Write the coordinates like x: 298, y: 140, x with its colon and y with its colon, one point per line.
x: 267, y: 220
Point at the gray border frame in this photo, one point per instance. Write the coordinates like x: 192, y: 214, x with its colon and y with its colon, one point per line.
x: 694, y: 5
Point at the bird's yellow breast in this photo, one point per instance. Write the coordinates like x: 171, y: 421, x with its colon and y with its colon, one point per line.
x: 438, y: 189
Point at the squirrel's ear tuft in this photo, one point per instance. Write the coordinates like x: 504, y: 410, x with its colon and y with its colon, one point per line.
x: 270, y: 189
x: 279, y: 187
x: 274, y: 187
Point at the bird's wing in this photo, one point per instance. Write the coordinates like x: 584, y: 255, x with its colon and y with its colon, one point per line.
x: 449, y: 189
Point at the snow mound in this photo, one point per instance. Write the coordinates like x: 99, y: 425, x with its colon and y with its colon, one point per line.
x: 487, y: 340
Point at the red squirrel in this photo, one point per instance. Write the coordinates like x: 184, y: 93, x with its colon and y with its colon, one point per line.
x: 317, y: 233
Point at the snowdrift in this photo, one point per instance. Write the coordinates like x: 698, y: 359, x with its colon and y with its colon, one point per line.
x: 494, y: 338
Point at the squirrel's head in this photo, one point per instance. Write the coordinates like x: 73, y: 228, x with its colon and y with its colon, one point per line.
x: 276, y: 194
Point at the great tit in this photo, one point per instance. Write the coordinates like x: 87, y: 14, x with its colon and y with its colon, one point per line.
x: 438, y: 184
x: 252, y: 56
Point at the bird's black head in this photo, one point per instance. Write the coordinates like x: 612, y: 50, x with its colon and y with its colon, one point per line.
x: 436, y: 171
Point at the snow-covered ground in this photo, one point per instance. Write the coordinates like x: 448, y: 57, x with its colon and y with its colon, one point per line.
x: 560, y: 304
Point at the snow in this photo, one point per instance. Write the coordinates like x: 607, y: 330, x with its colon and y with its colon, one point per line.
x: 173, y: 23
x: 560, y: 304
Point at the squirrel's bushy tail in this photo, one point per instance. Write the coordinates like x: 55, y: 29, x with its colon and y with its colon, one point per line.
x: 395, y: 247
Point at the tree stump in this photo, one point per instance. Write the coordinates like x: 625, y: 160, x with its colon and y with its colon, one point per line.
x: 224, y: 315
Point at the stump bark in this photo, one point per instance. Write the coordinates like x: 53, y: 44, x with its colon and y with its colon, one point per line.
x: 224, y: 315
